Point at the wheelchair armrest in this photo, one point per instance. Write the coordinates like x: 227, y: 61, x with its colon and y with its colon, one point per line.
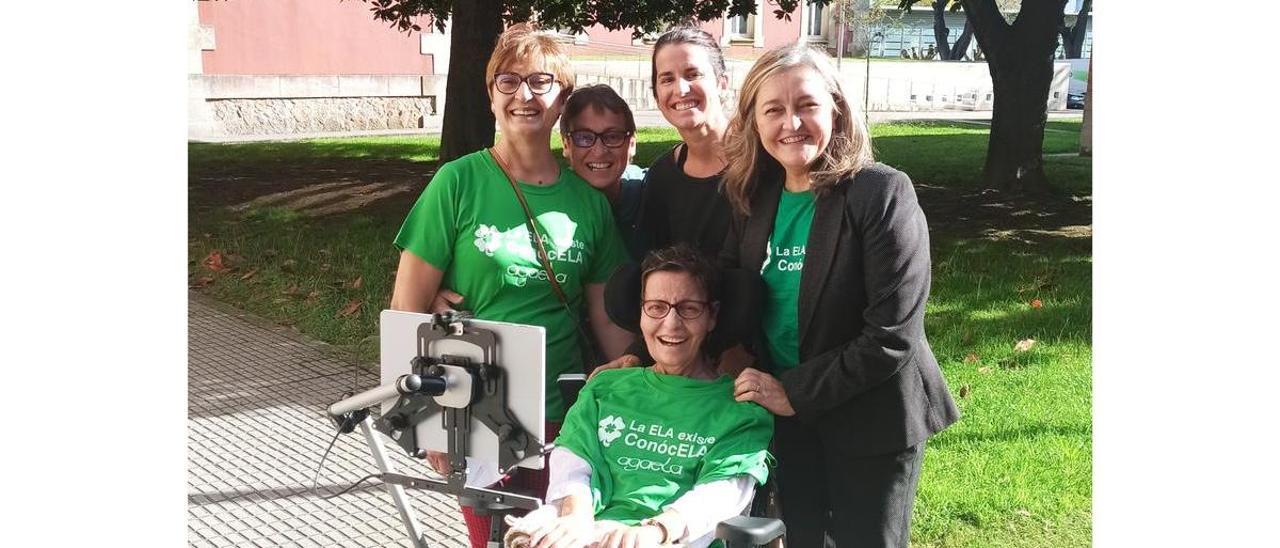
x: 570, y: 384
x: 742, y: 531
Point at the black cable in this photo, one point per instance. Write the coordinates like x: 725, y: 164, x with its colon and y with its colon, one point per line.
x: 354, y: 485
x: 315, y: 481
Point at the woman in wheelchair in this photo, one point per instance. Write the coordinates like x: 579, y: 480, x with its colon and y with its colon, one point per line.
x: 661, y: 454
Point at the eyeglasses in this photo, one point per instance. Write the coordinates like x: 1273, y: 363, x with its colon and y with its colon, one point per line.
x: 689, y: 310
x: 509, y: 82
x: 586, y: 138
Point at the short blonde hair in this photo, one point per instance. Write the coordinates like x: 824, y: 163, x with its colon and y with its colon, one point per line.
x: 848, y: 151
x: 523, y: 42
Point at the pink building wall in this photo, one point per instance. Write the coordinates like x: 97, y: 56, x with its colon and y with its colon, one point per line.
x: 600, y: 36
x: 778, y: 32
x: 307, y: 37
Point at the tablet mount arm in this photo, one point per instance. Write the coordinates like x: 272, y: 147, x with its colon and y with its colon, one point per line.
x: 458, y: 389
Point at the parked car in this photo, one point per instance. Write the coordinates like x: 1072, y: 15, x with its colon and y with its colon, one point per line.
x: 1075, y: 101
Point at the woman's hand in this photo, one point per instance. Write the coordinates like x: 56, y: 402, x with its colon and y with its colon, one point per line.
x: 734, y: 360
x: 760, y: 387
x: 439, y: 462
x: 445, y: 301
x: 571, y: 531
x: 643, y: 536
x: 626, y: 360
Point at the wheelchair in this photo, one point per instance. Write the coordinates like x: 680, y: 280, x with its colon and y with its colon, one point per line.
x: 741, y: 303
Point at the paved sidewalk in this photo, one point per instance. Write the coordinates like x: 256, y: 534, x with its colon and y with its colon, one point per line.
x: 256, y: 429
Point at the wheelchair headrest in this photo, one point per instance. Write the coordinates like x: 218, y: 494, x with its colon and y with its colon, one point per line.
x: 741, y: 301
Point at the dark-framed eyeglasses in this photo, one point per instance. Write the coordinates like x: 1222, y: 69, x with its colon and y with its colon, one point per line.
x: 509, y: 82
x: 689, y: 309
x: 585, y: 138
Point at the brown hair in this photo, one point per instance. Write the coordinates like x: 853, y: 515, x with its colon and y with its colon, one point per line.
x: 523, y: 42
x: 848, y: 151
x: 599, y: 97
x: 682, y: 258
x: 686, y: 35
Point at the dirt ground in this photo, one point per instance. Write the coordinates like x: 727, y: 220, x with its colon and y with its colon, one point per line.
x: 389, y: 187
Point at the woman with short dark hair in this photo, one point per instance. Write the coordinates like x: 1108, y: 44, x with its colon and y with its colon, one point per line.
x: 526, y: 241
x: 661, y: 454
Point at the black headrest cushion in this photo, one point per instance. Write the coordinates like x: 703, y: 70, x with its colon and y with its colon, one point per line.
x: 741, y: 301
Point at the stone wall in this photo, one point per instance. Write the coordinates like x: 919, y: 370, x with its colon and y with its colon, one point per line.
x: 274, y: 105
x: 320, y: 114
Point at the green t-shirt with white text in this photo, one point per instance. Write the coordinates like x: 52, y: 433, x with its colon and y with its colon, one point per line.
x: 783, y: 263
x: 469, y: 224
x: 650, y: 438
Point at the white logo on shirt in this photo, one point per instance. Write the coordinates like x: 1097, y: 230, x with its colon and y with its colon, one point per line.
x: 610, y: 429
x: 514, y: 251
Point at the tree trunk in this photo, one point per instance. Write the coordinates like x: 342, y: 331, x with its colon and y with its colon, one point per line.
x: 468, y: 122
x: 941, y: 33
x: 1014, y: 159
x: 961, y: 47
x: 1073, y: 38
x: 1020, y: 59
x: 1086, y: 129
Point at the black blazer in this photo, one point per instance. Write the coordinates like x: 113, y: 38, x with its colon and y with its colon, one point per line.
x: 867, y: 379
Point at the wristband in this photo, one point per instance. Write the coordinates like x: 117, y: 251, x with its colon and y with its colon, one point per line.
x: 666, y: 535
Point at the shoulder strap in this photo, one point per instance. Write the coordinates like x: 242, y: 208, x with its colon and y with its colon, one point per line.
x: 541, y: 252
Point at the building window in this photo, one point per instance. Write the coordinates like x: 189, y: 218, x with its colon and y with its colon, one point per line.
x: 741, y: 26
x: 813, y: 27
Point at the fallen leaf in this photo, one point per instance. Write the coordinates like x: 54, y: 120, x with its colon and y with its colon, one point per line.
x: 1036, y: 303
x: 203, y: 281
x: 288, y: 265
x: 350, y: 309
x: 971, y: 358
x: 1024, y: 345
x: 984, y: 370
x: 292, y: 290
x: 359, y: 281
x: 249, y: 274
x: 312, y: 296
x: 214, y: 261
x: 964, y: 390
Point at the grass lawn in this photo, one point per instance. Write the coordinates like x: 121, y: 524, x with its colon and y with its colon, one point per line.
x: 274, y: 230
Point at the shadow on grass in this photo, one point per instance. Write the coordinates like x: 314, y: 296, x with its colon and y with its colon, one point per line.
x: 1023, y: 433
x: 949, y: 154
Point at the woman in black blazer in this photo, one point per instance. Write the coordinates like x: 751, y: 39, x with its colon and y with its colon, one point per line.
x: 844, y: 250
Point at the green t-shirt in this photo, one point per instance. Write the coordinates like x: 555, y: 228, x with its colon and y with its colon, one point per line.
x: 650, y: 438
x: 469, y: 224
x: 783, y: 262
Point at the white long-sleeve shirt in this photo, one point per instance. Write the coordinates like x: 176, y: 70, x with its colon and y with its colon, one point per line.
x: 702, y: 508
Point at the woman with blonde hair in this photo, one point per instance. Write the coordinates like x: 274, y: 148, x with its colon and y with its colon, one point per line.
x: 843, y: 247
x: 524, y: 240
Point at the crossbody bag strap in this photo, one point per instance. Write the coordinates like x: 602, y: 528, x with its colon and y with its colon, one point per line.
x: 543, y: 258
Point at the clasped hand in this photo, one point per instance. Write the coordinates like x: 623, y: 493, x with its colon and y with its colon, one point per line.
x: 764, y: 389
x: 575, y: 532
